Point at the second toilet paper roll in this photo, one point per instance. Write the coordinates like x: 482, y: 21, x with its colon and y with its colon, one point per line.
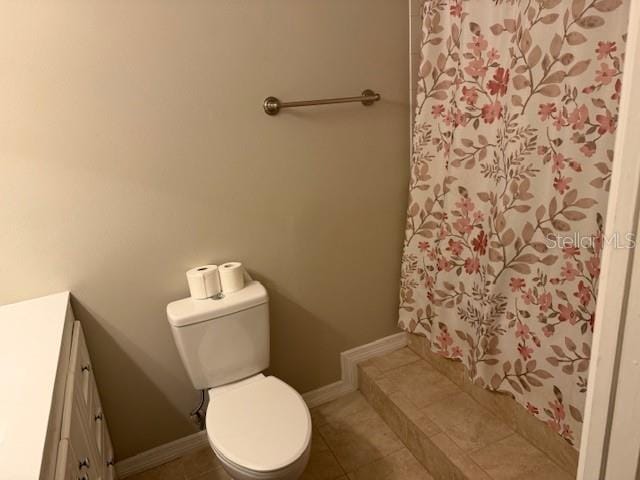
x: 231, y: 277
x: 204, y: 281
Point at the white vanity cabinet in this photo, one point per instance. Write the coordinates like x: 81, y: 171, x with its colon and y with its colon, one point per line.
x: 52, y: 426
x: 84, y: 450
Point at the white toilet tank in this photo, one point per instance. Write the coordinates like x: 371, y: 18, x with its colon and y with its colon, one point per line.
x: 222, y: 341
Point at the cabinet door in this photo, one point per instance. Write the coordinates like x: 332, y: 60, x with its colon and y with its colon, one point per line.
x: 66, y: 468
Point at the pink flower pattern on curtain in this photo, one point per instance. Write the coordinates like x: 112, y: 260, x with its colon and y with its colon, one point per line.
x: 516, y: 114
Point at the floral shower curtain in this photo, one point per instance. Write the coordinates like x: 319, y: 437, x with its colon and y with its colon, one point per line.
x: 513, y: 139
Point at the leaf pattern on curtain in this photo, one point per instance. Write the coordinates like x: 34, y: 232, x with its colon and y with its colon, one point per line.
x: 513, y: 140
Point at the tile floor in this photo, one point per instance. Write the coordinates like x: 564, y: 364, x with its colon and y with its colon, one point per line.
x: 350, y: 442
x: 445, y: 427
x: 504, y: 407
x: 427, y: 415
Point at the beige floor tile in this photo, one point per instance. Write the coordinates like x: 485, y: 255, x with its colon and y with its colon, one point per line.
x: 173, y: 470
x: 456, y: 459
x: 501, y: 405
x: 395, y: 418
x: 400, y: 400
x: 393, y: 360
x: 381, y: 393
x: 370, y: 369
x: 426, y: 426
x: 443, y: 458
x: 359, y: 439
x: 371, y: 391
x: 515, y: 458
x: 468, y: 424
x: 476, y: 433
x: 452, y: 369
x: 405, y: 413
x: 342, y: 407
x: 387, y: 385
x: 199, y: 462
x: 400, y: 465
x: 322, y: 463
x: 418, y: 444
x: 542, y: 437
x: 550, y: 472
x: 452, y: 409
x: 415, y: 343
x: 422, y: 384
x: 458, y: 426
x: 216, y: 474
x: 447, y: 446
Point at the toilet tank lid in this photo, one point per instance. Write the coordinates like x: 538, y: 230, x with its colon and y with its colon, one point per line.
x: 189, y: 311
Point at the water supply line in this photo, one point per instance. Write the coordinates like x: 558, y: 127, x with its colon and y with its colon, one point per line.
x: 197, y: 415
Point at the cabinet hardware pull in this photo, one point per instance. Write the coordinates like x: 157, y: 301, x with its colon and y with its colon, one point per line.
x: 85, y: 368
x: 98, y: 417
x: 84, y: 463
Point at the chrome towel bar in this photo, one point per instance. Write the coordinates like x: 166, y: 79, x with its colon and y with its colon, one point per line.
x: 272, y: 105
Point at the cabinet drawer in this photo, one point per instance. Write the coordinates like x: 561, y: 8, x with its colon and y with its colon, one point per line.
x: 77, y: 458
x: 108, y: 459
x: 68, y: 466
x: 81, y: 457
x: 103, y: 443
x: 80, y: 366
x: 77, y: 389
x: 96, y: 417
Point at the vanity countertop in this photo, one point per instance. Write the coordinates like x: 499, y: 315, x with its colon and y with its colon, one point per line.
x: 31, y: 343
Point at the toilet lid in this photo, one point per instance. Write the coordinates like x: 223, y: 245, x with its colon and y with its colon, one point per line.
x: 262, y: 426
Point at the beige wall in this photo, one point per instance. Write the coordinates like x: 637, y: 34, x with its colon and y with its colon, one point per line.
x: 133, y: 146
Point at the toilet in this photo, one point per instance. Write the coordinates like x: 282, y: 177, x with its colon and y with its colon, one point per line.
x: 258, y: 426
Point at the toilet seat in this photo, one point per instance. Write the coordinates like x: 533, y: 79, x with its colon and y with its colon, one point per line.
x: 262, y: 425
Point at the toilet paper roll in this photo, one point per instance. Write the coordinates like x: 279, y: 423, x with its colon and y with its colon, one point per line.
x: 232, y: 276
x: 204, y: 281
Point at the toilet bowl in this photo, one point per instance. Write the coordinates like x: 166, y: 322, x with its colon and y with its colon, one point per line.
x: 260, y: 429
x: 292, y: 472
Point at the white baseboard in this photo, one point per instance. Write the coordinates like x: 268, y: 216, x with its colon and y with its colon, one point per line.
x: 350, y: 359
x: 161, y: 454
x: 349, y: 365
x: 348, y: 383
x: 327, y: 393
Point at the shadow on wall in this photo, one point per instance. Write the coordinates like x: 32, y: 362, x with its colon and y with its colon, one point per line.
x: 136, y: 383
x: 293, y: 346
